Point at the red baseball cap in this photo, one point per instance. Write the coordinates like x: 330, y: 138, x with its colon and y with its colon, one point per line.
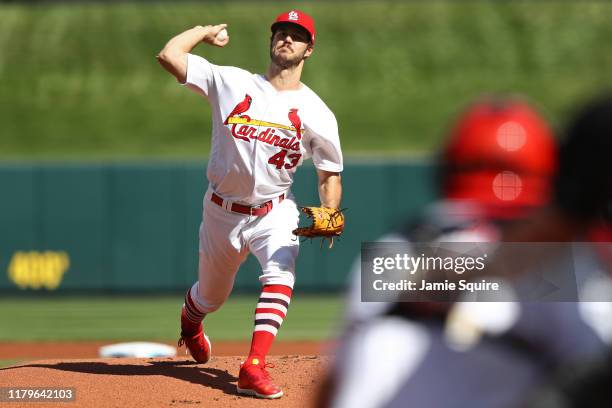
x: 296, y: 17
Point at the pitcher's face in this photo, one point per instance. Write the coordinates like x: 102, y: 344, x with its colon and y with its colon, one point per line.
x: 290, y: 45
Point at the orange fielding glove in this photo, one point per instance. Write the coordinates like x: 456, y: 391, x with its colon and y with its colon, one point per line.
x: 327, y: 223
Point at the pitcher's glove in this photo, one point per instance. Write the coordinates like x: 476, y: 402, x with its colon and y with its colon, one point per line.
x: 327, y: 223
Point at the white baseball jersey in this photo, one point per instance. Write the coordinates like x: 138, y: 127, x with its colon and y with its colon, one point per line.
x: 260, y: 135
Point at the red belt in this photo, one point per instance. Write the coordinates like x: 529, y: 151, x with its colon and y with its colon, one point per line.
x: 258, y: 210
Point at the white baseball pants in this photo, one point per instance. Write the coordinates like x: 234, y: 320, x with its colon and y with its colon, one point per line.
x: 226, y: 238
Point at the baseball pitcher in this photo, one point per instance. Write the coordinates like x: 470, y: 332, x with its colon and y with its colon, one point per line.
x: 263, y: 127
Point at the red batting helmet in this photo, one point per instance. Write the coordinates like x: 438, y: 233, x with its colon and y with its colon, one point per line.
x: 502, y: 155
x: 296, y: 17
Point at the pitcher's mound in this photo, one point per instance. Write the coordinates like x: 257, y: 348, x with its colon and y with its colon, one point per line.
x: 165, y: 382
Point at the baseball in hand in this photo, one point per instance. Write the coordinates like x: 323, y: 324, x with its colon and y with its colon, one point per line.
x: 222, y: 35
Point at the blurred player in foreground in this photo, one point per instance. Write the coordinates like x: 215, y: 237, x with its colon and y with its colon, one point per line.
x: 582, y: 210
x: 497, y: 170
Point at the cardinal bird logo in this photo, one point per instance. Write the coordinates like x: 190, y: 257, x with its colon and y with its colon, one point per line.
x: 296, y: 122
x: 240, y: 108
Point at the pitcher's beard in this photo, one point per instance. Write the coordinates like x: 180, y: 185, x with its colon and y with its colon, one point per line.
x: 284, y: 63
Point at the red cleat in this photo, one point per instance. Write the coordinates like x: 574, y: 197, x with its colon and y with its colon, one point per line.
x: 254, y: 380
x: 198, y: 344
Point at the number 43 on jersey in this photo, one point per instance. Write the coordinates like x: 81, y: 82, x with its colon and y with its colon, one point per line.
x: 278, y: 159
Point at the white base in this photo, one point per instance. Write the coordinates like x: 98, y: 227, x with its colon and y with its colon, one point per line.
x: 137, y: 350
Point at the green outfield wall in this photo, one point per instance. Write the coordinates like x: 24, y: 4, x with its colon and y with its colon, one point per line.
x: 133, y: 227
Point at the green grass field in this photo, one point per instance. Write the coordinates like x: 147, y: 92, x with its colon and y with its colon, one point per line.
x: 82, y: 82
x: 155, y: 318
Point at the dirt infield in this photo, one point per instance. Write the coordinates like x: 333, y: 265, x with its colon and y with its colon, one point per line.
x: 169, y: 382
